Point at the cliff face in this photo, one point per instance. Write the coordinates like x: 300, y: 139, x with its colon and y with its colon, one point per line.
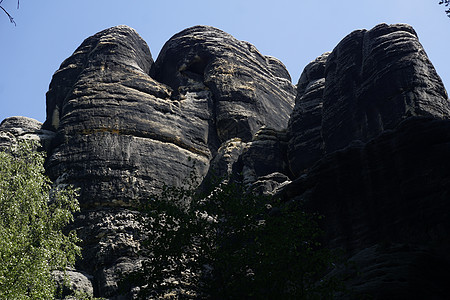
x: 126, y: 125
x: 368, y: 143
x: 386, y: 203
x: 369, y: 83
x: 363, y: 139
x: 133, y: 132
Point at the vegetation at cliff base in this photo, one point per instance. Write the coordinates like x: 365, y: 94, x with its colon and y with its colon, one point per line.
x: 32, y: 217
x: 228, y: 243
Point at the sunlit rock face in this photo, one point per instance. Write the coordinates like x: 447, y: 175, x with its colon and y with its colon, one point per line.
x: 248, y: 89
x: 125, y: 126
x: 15, y: 129
x: 121, y: 134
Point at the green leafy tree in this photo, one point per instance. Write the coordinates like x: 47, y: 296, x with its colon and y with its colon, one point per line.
x: 231, y: 244
x: 32, y: 218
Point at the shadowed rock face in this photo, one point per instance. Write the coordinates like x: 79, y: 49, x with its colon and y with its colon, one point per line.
x: 393, y: 188
x: 375, y: 79
x: 368, y: 142
x: 305, y: 145
x: 386, y: 203
x: 369, y: 83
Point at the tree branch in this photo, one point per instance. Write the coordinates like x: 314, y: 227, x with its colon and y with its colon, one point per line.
x: 446, y: 3
x: 11, y: 19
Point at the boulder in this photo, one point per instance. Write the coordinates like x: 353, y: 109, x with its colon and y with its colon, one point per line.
x: 17, y: 128
x: 72, y: 284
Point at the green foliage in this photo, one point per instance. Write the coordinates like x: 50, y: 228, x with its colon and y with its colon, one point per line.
x: 230, y: 244
x: 32, y: 216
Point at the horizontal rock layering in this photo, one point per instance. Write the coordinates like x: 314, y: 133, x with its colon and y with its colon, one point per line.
x: 132, y: 133
x: 363, y: 139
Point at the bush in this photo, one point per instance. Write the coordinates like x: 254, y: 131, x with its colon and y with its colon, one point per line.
x: 32, y: 217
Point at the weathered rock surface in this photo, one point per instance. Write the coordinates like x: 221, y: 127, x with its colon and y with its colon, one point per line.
x: 395, y: 187
x: 369, y: 83
x: 305, y: 145
x: 396, y: 271
x: 366, y: 145
x: 368, y: 142
x: 121, y: 133
x: 137, y: 133
x: 110, y: 242
x: 127, y: 135
x: 392, y: 190
x: 13, y: 129
x: 374, y: 80
x: 262, y: 165
x: 249, y: 89
x: 72, y: 283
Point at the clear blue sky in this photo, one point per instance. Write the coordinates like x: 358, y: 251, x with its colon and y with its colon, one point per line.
x: 294, y: 31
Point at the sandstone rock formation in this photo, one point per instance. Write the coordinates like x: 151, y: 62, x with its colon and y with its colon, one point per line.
x: 13, y: 129
x: 366, y: 145
x: 125, y: 126
x: 369, y: 83
x: 129, y: 136
x: 137, y: 133
x: 249, y: 90
x: 389, y: 194
x: 305, y: 145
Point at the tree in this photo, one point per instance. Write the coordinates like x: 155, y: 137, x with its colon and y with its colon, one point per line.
x: 32, y: 218
x: 11, y: 19
x: 446, y: 3
x: 231, y: 244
